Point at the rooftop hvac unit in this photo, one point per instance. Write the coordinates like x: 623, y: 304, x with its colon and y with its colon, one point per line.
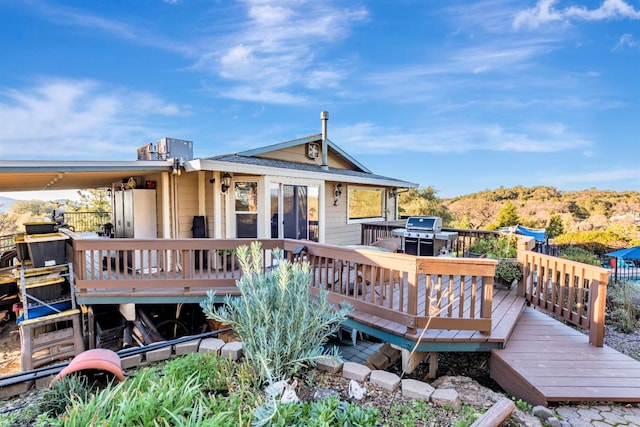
x: 147, y: 152
x: 171, y: 148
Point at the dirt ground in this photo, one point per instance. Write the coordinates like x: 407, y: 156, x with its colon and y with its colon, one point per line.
x: 9, y: 348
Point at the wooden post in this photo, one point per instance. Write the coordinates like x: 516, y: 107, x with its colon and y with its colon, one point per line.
x: 412, y: 300
x: 597, y: 307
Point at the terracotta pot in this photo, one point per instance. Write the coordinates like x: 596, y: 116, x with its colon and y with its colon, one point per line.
x: 98, y: 359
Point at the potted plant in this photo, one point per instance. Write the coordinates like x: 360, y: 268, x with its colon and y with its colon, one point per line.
x: 507, y: 271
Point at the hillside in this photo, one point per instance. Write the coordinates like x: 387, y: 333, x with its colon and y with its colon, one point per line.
x: 579, y: 211
x: 6, y: 203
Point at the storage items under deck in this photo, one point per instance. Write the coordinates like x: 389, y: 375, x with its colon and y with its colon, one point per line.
x: 46, y: 250
x: 50, y: 327
x: 8, y: 296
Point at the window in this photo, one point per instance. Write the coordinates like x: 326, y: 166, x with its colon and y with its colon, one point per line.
x: 365, y: 203
x: 246, y: 209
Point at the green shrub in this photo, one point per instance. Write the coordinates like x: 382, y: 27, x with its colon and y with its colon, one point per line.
x: 508, y: 270
x: 578, y: 254
x: 502, y: 246
x: 281, y: 325
x: 623, y: 305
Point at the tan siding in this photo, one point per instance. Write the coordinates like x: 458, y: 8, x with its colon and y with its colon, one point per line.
x: 187, y: 203
x: 298, y: 154
x: 337, y: 231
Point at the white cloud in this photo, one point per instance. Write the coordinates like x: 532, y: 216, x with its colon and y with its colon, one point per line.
x: 76, y: 119
x: 544, y: 12
x: 628, y: 41
x: 278, y: 47
x: 461, y: 138
x: 64, y: 15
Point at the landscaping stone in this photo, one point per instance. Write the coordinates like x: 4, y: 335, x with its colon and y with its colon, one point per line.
x: 211, y: 344
x: 542, y: 412
x: 159, y: 354
x: 129, y: 362
x: 379, y: 360
x: 329, y: 365
x: 415, y: 389
x: 386, y: 380
x: 44, y: 381
x: 355, y: 371
x: 446, y: 397
x: 393, y: 354
x: 232, y: 350
x: 186, y: 347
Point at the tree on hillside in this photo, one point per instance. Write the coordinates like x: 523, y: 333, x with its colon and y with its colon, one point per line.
x: 21, y: 212
x: 555, y: 226
x: 94, y: 200
x: 508, y: 215
x: 423, y: 202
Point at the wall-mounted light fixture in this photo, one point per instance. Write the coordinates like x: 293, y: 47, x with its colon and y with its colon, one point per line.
x: 226, y: 182
x: 337, y: 193
x: 392, y: 193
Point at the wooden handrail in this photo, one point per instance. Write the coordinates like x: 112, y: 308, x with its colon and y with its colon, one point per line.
x: 417, y: 292
x: 574, y: 291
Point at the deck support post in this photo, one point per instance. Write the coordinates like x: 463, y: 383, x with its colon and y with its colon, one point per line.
x: 411, y: 360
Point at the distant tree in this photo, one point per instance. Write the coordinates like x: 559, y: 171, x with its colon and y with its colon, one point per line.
x: 21, y: 212
x: 464, y: 224
x: 578, y: 212
x: 94, y: 200
x: 423, y: 202
x: 555, y: 226
x: 508, y: 215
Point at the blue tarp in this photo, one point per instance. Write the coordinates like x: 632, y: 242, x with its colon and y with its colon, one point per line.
x: 538, y: 234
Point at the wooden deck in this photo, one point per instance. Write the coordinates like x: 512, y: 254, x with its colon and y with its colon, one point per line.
x: 506, y: 309
x: 546, y: 361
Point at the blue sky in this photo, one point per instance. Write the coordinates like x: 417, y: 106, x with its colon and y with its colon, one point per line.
x: 462, y: 96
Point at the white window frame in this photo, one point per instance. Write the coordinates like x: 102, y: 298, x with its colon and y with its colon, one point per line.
x: 383, y: 204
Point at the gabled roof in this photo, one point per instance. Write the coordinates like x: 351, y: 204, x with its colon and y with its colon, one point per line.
x: 238, y: 163
x: 304, y: 140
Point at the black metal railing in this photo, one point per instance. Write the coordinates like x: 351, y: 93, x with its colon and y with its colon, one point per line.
x: 82, y: 222
x: 7, y: 242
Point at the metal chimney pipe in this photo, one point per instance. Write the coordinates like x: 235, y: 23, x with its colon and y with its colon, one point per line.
x: 324, y: 117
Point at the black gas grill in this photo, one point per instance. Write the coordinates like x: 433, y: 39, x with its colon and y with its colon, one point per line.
x: 423, y: 236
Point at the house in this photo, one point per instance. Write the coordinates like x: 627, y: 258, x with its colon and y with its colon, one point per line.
x: 307, y: 188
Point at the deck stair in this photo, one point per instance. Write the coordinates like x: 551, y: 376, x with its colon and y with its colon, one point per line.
x: 546, y: 361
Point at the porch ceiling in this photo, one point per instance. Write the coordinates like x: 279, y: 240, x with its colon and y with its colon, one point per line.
x: 34, y: 176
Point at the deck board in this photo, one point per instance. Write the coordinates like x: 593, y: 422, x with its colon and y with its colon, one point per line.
x: 546, y: 361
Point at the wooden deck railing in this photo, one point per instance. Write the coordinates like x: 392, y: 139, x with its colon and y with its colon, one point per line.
x: 573, y: 291
x: 416, y: 292
x: 144, y: 264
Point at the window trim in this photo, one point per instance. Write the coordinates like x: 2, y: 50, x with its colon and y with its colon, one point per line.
x: 368, y: 219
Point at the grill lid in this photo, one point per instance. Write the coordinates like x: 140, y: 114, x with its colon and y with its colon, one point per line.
x: 424, y: 223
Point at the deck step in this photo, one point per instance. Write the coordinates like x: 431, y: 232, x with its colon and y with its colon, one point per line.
x: 546, y: 361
